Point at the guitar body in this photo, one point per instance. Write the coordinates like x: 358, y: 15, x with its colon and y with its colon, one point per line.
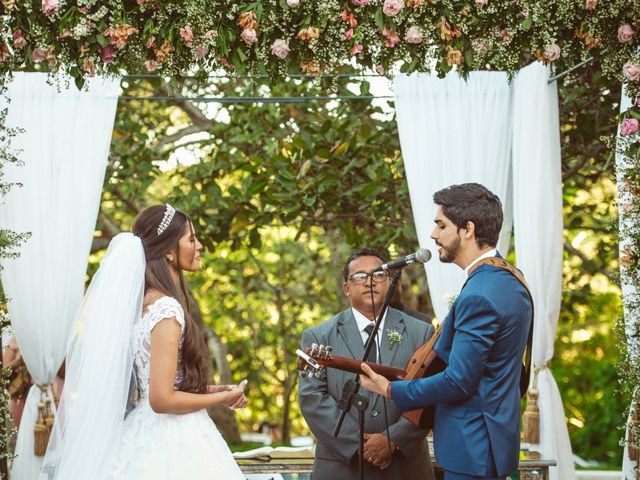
x: 424, y: 363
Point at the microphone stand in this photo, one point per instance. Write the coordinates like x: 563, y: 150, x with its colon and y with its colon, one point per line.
x: 351, y: 387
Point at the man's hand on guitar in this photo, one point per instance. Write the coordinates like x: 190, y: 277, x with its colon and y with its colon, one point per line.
x: 376, y: 450
x: 372, y: 381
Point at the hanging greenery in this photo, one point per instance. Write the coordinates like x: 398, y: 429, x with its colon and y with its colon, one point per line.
x: 275, y: 37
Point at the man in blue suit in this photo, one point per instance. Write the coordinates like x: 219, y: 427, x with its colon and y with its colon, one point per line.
x: 483, y: 338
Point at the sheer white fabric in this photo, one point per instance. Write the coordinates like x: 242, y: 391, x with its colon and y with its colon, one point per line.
x: 629, y: 293
x: 453, y: 132
x: 64, y: 149
x: 537, y: 211
x: 166, y: 446
x: 99, y: 367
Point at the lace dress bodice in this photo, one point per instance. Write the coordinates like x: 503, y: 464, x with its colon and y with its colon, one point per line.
x: 161, y: 309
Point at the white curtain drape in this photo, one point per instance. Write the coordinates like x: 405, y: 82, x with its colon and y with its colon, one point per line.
x: 629, y: 292
x: 451, y: 132
x: 537, y: 212
x: 64, y: 149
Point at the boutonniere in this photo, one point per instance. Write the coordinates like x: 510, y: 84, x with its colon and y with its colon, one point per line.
x: 449, y: 299
x: 394, y: 337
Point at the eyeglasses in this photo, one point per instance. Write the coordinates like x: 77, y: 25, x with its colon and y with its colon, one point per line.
x: 360, y: 278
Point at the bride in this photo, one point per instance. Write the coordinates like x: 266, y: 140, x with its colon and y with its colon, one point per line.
x: 135, y: 343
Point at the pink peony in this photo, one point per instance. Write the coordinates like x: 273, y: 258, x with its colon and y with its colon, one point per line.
x: 392, y: 7
x: 413, y: 35
x: 590, y: 4
x: 481, y: 3
x: 625, y: 33
x: 629, y: 127
x: 552, y: 52
x: 201, y: 51
x: 187, y: 34
x: 348, y: 35
x: 631, y: 71
x: 37, y: 55
x: 107, y: 54
x: 293, y: 3
x: 50, y: 7
x: 356, y: 49
x: 280, y: 48
x: 18, y: 39
x: 249, y: 35
x: 360, y: 2
x: 151, y: 65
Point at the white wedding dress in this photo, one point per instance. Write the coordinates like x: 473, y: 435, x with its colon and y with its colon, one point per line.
x: 160, y: 446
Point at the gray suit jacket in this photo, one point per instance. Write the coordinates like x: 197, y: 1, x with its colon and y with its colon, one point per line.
x: 337, y: 458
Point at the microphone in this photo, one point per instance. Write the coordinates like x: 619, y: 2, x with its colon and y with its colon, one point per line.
x: 423, y: 256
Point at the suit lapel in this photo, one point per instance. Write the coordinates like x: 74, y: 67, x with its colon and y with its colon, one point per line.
x: 388, y: 349
x: 348, y: 331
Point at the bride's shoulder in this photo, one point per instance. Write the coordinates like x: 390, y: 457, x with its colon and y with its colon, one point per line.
x: 158, y: 305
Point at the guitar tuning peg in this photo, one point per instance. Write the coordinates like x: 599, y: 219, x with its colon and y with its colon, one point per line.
x: 314, y: 348
x: 318, y: 373
x: 321, y: 348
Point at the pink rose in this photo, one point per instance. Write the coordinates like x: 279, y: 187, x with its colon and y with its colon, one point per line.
x: 201, y: 51
x: 413, y: 35
x: 625, y: 33
x: 37, y: 55
x: 249, y: 36
x: 629, y: 127
x: 356, y: 49
x: 151, y: 65
x: 552, y: 52
x: 50, y: 7
x: 360, y: 2
x: 107, y: 54
x: 187, y: 34
x: 348, y: 35
x: 590, y: 4
x: 631, y: 71
x: 280, y: 49
x: 293, y: 3
x: 392, y: 7
x: 18, y: 39
x: 481, y: 3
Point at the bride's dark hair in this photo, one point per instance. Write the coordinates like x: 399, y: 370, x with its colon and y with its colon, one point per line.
x: 195, y: 365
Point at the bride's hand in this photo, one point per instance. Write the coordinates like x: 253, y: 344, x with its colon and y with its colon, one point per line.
x: 218, y: 388
x: 239, y: 401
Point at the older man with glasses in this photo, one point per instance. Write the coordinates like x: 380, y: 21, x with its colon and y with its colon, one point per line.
x: 394, y: 448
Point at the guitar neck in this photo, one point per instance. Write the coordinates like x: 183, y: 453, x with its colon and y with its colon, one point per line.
x: 350, y: 365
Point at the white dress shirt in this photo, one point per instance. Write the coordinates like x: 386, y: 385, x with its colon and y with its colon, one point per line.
x: 490, y: 253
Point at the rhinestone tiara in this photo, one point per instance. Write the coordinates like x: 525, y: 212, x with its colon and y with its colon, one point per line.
x: 166, y: 220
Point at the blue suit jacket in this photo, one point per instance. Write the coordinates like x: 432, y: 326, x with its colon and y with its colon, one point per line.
x: 477, y: 396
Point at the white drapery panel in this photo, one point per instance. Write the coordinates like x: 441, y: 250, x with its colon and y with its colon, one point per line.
x: 537, y: 212
x: 629, y: 293
x: 64, y: 149
x: 451, y: 132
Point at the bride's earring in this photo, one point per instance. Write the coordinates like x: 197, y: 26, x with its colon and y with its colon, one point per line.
x: 170, y: 258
